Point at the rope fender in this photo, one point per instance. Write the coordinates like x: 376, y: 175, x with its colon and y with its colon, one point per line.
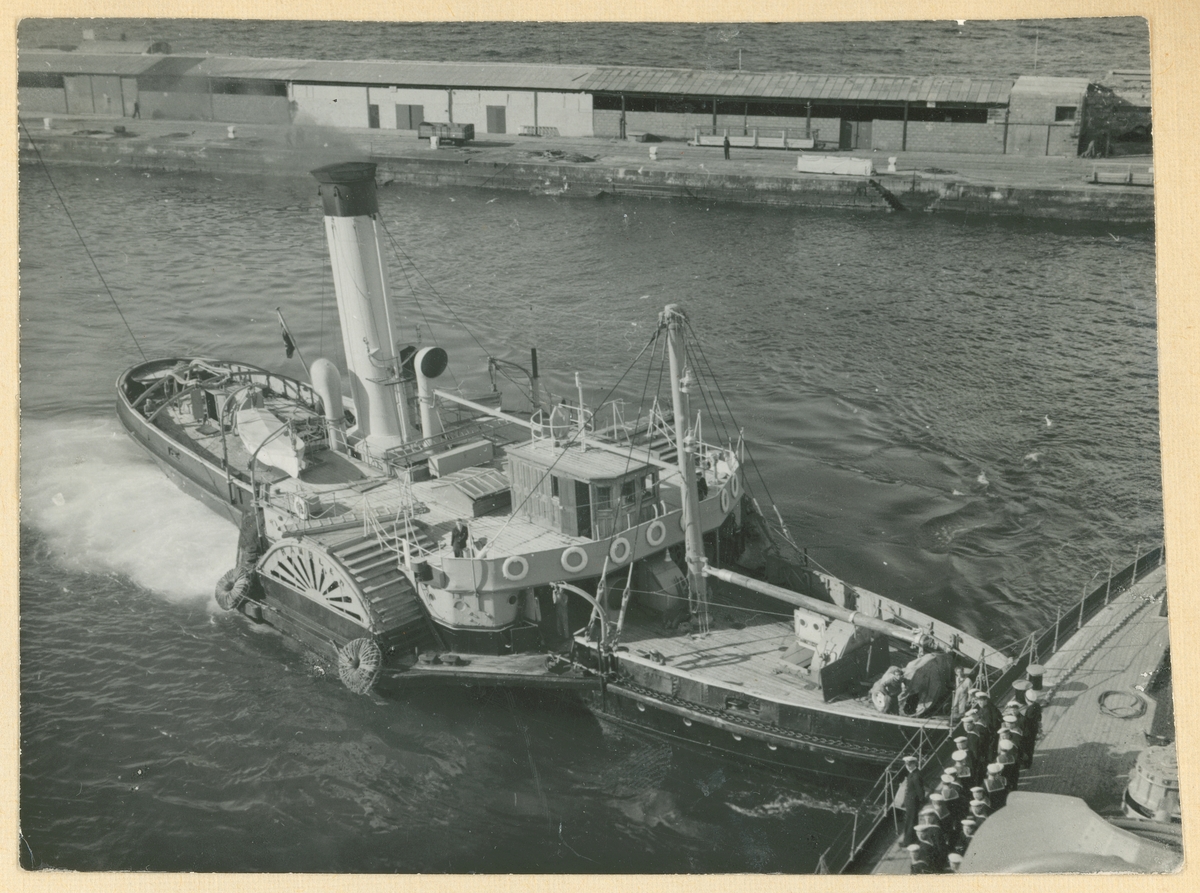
x: 359, y: 664
x: 234, y: 587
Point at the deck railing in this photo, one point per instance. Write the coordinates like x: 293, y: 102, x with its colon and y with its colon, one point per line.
x: 871, y: 816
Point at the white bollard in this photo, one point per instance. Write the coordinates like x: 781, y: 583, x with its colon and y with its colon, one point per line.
x: 433, y: 142
x: 231, y: 132
x: 891, y: 164
x: 45, y: 123
x: 654, y: 153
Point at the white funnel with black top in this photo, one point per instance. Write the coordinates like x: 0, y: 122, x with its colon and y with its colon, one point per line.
x: 352, y: 229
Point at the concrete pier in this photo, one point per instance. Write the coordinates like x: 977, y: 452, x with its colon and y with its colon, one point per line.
x: 970, y: 185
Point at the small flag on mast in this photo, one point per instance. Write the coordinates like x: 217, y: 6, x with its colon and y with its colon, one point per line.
x: 289, y: 344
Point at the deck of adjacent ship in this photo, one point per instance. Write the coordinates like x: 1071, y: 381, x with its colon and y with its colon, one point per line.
x: 1097, y: 714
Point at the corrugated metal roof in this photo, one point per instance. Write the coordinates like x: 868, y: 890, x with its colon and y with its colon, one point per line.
x: 484, y: 75
x: 240, y: 67
x: 1048, y: 86
x: 790, y: 85
x: 747, y: 85
x: 127, y: 64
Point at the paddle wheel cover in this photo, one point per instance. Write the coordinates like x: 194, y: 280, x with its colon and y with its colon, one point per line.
x: 319, y: 577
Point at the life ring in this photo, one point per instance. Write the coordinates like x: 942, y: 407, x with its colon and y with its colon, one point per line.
x: 359, y: 664
x: 620, y: 550
x: 656, y: 533
x: 682, y: 523
x: 567, y: 556
x: 736, y: 484
x: 725, y: 501
x: 233, y: 587
x: 515, y: 568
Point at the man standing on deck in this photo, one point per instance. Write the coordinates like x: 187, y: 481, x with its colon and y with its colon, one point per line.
x: 914, y: 798
x: 1033, y: 725
x: 563, y: 614
x: 961, y: 702
x: 459, y: 538
x: 726, y: 146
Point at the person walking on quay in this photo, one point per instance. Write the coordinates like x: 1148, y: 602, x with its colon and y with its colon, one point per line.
x: 726, y: 145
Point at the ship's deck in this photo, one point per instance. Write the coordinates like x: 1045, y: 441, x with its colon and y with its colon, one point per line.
x: 1085, y: 751
x: 742, y: 650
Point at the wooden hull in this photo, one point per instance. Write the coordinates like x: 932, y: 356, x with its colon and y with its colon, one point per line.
x: 830, y: 744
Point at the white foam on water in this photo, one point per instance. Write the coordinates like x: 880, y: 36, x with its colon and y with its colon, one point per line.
x: 105, y: 507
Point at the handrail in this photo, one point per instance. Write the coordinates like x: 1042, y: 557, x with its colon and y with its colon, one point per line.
x: 841, y: 855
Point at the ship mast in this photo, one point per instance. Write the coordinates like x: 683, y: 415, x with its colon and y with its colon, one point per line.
x: 681, y: 377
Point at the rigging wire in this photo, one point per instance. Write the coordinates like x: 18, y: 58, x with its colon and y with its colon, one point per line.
x: 86, y: 250
x: 578, y: 432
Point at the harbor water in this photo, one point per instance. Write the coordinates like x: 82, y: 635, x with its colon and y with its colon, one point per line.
x: 959, y: 414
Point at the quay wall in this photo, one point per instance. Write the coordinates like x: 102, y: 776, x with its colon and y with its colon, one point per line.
x: 883, y: 192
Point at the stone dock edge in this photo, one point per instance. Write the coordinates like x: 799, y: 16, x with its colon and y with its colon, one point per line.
x: 591, y: 168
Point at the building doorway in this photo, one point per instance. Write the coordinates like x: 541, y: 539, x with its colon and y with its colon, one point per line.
x: 495, y: 119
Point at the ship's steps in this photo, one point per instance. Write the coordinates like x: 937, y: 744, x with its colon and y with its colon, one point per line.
x: 374, y: 563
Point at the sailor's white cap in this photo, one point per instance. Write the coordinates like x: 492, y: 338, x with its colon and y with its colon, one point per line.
x: 913, y: 848
x: 910, y: 759
x: 959, y: 755
x: 970, y: 823
x: 961, y: 741
x: 1033, y: 695
x: 925, y: 828
x: 979, y: 789
x: 1009, y: 717
x: 955, y: 860
x: 995, y: 768
x: 1006, y: 744
x: 1022, y: 685
x: 936, y: 798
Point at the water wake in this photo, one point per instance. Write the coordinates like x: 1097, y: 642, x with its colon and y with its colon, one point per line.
x: 105, y: 507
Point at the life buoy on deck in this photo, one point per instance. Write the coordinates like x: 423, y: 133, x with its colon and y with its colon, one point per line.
x: 233, y: 587
x: 620, y: 550
x: 656, y: 533
x: 724, y: 499
x: 359, y: 664
x: 736, y: 484
x: 515, y: 568
x: 569, y: 557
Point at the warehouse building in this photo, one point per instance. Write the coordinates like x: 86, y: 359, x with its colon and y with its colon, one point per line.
x: 1028, y: 115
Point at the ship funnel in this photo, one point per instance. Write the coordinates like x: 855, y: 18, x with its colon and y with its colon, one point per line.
x: 328, y: 384
x: 355, y: 252
x: 429, y: 363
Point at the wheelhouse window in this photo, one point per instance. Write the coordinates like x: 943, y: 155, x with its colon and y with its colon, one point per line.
x: 603, y: 497
x: 629, y: 491
x: 554, y: 485
x: 1064, y: 113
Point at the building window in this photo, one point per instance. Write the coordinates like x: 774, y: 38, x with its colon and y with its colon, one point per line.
x: 603, y: 497
x: 554, y: 485
x: 1064, y: 113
